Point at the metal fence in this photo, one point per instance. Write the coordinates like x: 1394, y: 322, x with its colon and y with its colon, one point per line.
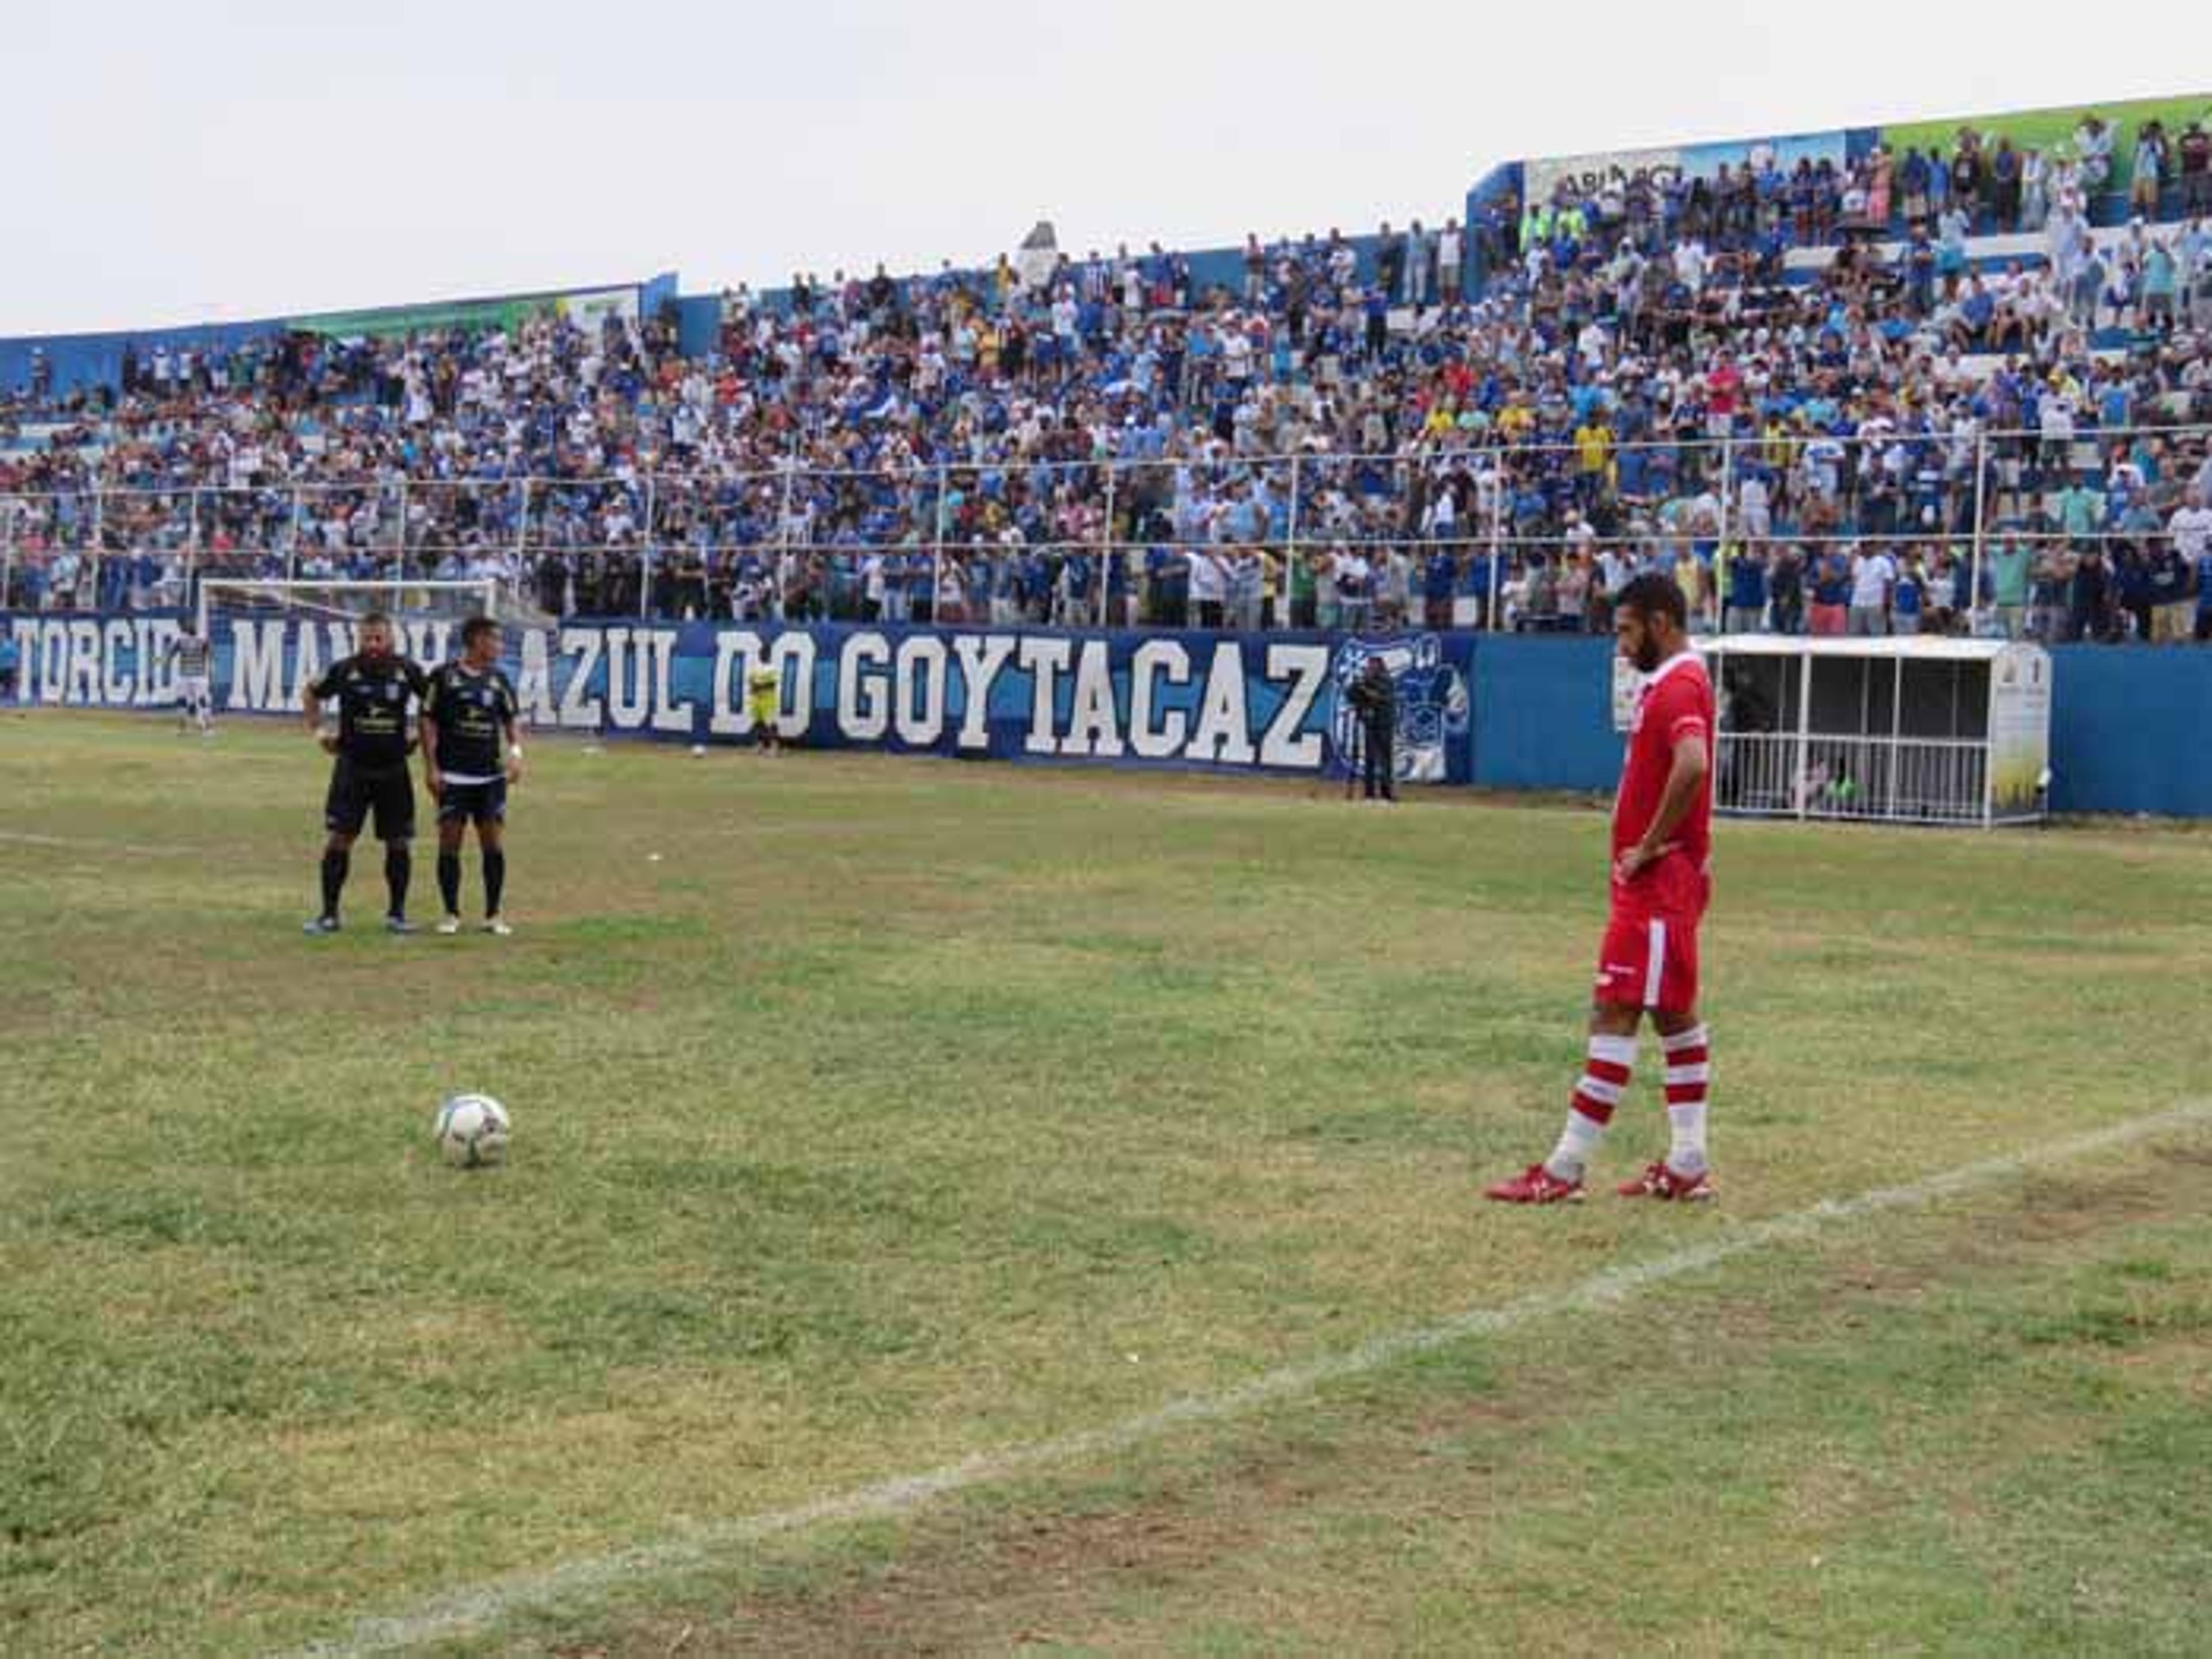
x: 1464, y: 527
x: 1892, y: 780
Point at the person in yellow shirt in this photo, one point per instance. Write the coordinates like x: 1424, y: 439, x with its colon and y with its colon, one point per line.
x: 1593, y: 458
x: 1271, y: 590
x: 1690, y: 577
x: 763, y: 700
x: 1780, y: 445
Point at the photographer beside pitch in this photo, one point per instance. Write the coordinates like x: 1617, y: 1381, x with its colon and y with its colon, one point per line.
x: 469, y: 757
x: 373, y: 687
x: 1374, y: 702
x: 1662, y: 883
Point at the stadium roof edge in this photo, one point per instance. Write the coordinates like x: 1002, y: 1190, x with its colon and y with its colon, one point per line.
x: 156, y: 331
x: 1878, y: 123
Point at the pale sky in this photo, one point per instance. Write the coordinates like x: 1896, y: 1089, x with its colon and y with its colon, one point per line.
x: 171, y: 163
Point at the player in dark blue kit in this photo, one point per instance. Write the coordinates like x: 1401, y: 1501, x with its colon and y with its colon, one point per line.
x: 469, y: 757
x: 373, y: 687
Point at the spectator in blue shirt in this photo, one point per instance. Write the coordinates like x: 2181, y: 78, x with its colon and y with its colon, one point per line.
x: 1745, y: 612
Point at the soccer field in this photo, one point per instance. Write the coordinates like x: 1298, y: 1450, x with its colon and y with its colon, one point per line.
x: 958, y: 1208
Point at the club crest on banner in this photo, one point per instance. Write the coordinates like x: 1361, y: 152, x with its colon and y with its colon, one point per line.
x: 1433, y: 703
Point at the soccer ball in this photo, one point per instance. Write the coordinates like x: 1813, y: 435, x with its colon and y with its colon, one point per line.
x: 472, y: 1131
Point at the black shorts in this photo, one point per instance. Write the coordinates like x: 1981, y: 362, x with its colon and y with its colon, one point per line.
x: 473, y: 803
x: 355, y: 793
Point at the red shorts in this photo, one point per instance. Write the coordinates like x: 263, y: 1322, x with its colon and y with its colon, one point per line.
x: 1649, y: 959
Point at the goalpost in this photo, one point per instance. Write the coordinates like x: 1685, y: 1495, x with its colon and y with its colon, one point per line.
x: 272, y: 634
x: 405, y: 600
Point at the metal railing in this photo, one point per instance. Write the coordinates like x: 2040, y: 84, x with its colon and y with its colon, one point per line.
x: 1502, y: 514
x: 1889, y: 779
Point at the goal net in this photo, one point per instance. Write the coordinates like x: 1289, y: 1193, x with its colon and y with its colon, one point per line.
x: 274, y: 634
x: 346, y: 602
x: 271, y: 640
x: 335, y: 609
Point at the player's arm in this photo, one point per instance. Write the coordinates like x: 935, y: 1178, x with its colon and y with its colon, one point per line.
x: 310, y: 705
x: 507, y: 712
x: 513, y: 750
x: 418, y: 685
x: 1685, y: 778
x: 427, y: 725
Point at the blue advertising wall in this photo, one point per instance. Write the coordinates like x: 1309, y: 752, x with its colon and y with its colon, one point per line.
x: 1218, y: 701
x: 1543, y: 713
x: 2131, y: 730
x: 2129, y: 725
x: 87, y: 362
x: 82, y: 362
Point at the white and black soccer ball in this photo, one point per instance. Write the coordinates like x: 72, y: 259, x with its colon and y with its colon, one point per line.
x: 472, y: 1131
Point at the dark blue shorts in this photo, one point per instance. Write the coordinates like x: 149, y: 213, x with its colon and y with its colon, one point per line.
x: 355, y: 793
x: 473, y: 803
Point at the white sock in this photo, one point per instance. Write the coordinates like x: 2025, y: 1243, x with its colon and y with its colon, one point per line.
x: 1580, y: 1137
x: 1686, y: 1156
x: 1606, y: 1072
x: 1689, y: 1072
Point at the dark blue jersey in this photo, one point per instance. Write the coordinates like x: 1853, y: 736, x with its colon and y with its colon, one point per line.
x: 373, y: 693
x: 472, y: 711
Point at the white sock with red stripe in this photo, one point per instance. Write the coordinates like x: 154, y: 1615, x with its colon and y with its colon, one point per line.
x: 1689, y: 1074
x: 1604, y: 1080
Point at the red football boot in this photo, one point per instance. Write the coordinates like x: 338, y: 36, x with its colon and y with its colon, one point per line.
x: 1659, y: 1182
x: 1537, y: 1185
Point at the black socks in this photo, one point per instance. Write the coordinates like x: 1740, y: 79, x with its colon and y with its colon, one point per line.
x: 495, y: 880
x: 334, y: 865
x: 398, y: 866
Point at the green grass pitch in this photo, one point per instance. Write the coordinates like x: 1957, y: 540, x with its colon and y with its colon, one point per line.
x: 874, y: 1115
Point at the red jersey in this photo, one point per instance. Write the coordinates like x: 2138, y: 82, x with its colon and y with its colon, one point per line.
x: 1722, y: 385
x: 1675, y: 702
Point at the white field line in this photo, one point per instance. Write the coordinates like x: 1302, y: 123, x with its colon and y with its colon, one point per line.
x: 482, y: 1605
x: 92, y: 844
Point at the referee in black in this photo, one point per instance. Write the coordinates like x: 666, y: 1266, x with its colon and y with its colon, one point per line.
x: 1374, y: 702
x: 373, y: 687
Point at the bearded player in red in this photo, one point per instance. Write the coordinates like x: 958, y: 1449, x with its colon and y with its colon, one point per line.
x: 1661, y: 879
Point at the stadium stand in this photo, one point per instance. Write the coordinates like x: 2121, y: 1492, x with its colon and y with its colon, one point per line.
x: 1966, y: 386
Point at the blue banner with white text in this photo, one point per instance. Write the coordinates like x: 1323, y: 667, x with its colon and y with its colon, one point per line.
x: 1502, y: 711
x: 1237, y: 701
